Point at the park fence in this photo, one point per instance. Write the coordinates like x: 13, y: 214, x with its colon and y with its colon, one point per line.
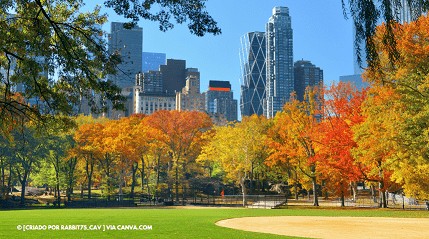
x: 252, y: 201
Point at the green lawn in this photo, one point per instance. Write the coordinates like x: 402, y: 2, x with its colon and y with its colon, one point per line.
x: 166, y: 223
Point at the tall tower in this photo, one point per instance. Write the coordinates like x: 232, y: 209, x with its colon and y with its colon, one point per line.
x: 253, y: 69
x: 280, y: 75
x: 129, y: 44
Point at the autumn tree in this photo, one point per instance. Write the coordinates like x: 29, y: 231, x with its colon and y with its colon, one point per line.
x: 377, y: 139
x: 87, y: 148
x: 239, y: 149
x: 152, y: 155
x: 342, y: 110
x: 296, y: 137
x: 401, y: 92
x: 181, y: 131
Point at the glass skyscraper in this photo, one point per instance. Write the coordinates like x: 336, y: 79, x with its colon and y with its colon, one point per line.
x: 279, y: 61
x: 129, y: 44
x: 253, y: 68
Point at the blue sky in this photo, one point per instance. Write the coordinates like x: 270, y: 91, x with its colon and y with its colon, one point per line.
x: 321, y: 35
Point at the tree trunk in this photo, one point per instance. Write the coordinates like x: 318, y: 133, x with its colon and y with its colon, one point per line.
x: 142, y: 173
x: 121, y: 181
x: 295, y: 188
x: 9, y: 182
x: 177, y: 181
x: 169, y: 180
x: 3, y: 181
x: 383, y: 201
x: 157, y: 175
x: 373, y: 194
x: 89, y: 168
x: 343, y: 204
x: 134, y: 168
x: 108, y: 182
x: 354, y: 190
x: 183, y: 184
x: 71, y: 164
x: 23, y: 185
x: 57, y: 186
x: 244, y: 190
x: 315, y: 196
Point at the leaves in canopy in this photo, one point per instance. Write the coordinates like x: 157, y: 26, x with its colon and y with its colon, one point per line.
x: 367, y: 14
x: 56, y: 55
x: 192, y: 12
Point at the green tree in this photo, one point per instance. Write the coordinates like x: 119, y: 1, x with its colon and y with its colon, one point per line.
x: 29, y: 149
x: 56, y: 52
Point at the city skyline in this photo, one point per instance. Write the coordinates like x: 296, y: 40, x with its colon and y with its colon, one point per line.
x: 321, y: 35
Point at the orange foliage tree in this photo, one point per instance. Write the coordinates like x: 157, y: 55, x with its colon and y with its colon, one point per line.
x: 336, y: 163
x: 181, y: 134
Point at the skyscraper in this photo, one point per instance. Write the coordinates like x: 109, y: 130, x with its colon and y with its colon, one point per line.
x: 174, y: 76
x: 306, y: 74
x: 280, y: 74
x: 129, y: 44
x: 253, y: 68
x: 220, y: 101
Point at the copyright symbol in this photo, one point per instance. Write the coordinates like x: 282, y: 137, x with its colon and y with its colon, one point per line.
x: 19, y: 227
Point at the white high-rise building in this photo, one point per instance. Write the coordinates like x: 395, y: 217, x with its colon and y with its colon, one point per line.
x: 280, y: 73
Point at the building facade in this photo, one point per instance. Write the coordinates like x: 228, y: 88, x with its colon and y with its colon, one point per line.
x: 279, y: 61
x: 219, y: 101
x: 150, y: 82
x: 157, y: 90
x: 191, y: 99
x: 253, y: 73
x: 306, y: 74
x: 128, y: 43
x: 147, y: 102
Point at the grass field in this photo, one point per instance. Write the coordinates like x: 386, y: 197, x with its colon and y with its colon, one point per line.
x: 166, y: 223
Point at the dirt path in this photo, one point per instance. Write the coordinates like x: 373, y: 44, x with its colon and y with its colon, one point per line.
x: 334, y: 227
